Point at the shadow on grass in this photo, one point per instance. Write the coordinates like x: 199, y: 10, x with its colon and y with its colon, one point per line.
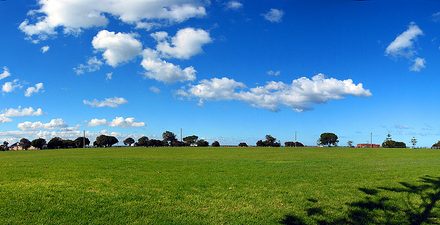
x: 411, y: 204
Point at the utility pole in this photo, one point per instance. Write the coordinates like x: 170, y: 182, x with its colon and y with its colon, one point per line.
x: 294, y: 144
x: 371, y: 139
x: 181, y: 135
x: 84, y: 139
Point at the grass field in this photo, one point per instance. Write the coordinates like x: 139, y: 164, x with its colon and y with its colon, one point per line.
x: 220, y: 186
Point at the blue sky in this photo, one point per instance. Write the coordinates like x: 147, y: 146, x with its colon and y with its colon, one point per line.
x: 225, y: 70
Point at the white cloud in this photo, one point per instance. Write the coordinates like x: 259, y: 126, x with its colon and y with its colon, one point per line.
x: 274, y: 15
x: 164, y: 71
x: 5, y: 73
x: 20, y: 112
x: 97, y: 122
x: 73, y: 15
x: 34, y: 90
x: 403, y: 45
x: 436, y: 17
x: 154, y: 89
x: 418, y: 65
x: 125, y: 122
x: 234, y: 5
x: 108, y: 102
x: 53, y: 124
x: 9, y: 87
x: 93, y: 64
x: 4, y: 119
x: 45, y: 49
x: 109, y: 76
x: 274, y: 73
x: 117, y: 47
x: 185, y: 44
x: 300, y: 95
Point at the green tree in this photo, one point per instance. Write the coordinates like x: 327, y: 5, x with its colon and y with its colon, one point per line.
x: 55, y: 143
x: 129, y: 141
x: 243, y: 144
x: 414, y: 142
x: 38, y: 143
x: 215, y: 144
x: 143, y: 141
x: 190, y: 140
x: 169, y: 137
x: 328, y: 139
x: 202, y: 143
x: 80, y: 141
x: 105, y: 141
x: 350, y: 144
x: 25, y: 143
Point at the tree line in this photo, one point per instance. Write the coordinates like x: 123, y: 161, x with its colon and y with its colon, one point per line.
x: 169, y: 139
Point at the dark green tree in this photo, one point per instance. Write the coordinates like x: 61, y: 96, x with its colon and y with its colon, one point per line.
x: 143, y: 141
x: 190, y: 140
x: 202, y: 143
x: 79, y: 142
x: 106, y: 141
x: 129, y: 141
x: 328, y: 139
x: 242, y: 144
x: 215, y: 144
x: 169, y: 137
x: 38, y: 143
x: 55, y: 143
x: 25, y: 143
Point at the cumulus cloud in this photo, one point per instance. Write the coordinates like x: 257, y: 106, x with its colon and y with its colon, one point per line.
x: 117, y: 47
x: 436, y: 17
x: 108, y: 102
x: 300, y: 95
x: 93, y: 64
x: 403, y: 45
x: 116, y: 122
x: 109, y: 76
x: 97, y: 122
x: 45, y: 49
x: 234, y: 5
x: 9, y: 87
x: 73, y: 16
x: 274, y: 15
x: 418, y: 65
x: 51, y: 125
x: 125, y: 122
x: 5, y: 73
x: 161, y: 70
x: 186, y: 43
x: 7, y: 114
x: 34, y: 90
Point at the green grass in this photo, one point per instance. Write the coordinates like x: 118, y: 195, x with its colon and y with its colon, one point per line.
x: 219, y: 186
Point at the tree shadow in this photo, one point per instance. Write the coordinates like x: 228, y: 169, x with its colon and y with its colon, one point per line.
x: 408, y: 204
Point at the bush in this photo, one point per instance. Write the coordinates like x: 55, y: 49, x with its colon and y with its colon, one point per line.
x: 242, y: 144
x: 215, y: 144
x: 293, y: 144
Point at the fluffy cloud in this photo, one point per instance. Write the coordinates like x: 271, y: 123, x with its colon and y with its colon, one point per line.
x: 154, y: 89
x: 300, y: 95
x: 436, y: 17
x: 418, y: 65
x: 45, y: 49
x: 117, y: 47
x: 97, y: 122
x: 108, y: 102
x: 125, y: 122
x: 52, y: 125
x: 164, y: 71
x: 117, y: 122
x: 34, y: 90
x: 9, y: 87
x: 7, y: 114
x: 185, y: 44
x: 234, y: 5
x: 5, y: 73
x: 403, y: 45
x: 274, y: 15
x: 93, y: 64
x: 74, y: 16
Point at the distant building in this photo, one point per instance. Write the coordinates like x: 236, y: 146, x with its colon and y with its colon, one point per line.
x: 367, y: 146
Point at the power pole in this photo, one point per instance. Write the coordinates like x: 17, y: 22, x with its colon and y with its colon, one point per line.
x: 371, y: 139
x: 181, y: 135
x: 84, y: 139
x: 295, y: 140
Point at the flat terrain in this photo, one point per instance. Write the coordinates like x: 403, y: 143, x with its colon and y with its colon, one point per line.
x: 220, y: 186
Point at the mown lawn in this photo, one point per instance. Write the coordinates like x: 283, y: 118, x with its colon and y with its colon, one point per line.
x: 220, y: 186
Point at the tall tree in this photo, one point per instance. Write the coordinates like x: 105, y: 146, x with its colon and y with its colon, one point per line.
x: 215, y: 144
x: 105, y: 141
x: 414, y: 142
x: 25, y: 143
x: 55, y: 143
x: 38, y: 143
x: 328, y: 139
x: 143, y: 141
x: 202, y: 143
